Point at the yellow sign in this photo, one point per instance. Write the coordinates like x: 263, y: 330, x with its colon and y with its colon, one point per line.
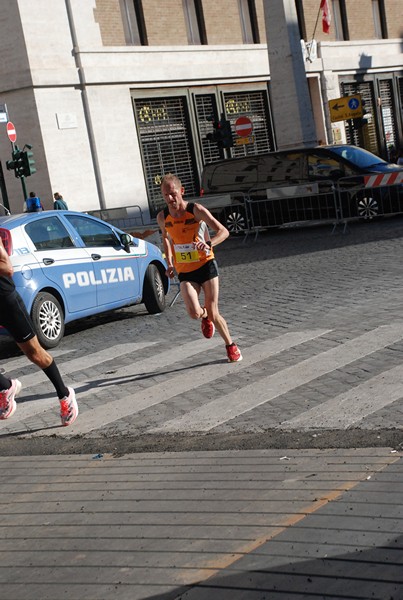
x: 347, y: 107
x: 242, y: 141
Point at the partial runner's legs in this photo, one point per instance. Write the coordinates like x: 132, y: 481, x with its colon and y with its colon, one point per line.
x: 190, y: 293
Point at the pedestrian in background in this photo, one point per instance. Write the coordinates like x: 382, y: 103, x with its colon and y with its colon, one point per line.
x: 33, y: 203
x: 59, y: 203
x: 189, y: 252
x: 15, y: 318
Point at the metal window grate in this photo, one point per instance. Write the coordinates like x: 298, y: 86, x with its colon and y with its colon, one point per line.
x: 166, y: 147
x: 364, y: 137
x: 255, y: 106
x: 388, y: 113
x: 206, y: 107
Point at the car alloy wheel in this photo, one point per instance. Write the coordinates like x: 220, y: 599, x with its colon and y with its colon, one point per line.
x: 48, y: 319
x: 236, y: 222
x: 367, y: 207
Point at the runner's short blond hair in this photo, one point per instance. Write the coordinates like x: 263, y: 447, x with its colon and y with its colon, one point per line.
x: 171, y: 177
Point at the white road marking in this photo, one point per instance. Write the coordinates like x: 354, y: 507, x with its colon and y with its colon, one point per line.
x: 217, y: 412
x: 31, y: 408
x: 178, y: 384
x: 135, y: 369
x: 21, y: 362
x: 352, y: 406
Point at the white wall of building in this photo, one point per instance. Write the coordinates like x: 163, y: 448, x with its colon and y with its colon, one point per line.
x: 40, y: 80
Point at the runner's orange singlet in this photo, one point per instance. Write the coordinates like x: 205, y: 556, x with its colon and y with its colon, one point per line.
x: 183, y: 232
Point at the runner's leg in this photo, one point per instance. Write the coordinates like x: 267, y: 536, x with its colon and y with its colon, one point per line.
x: 211, y: 290
x: 190, y: 293
x: 40, y: 357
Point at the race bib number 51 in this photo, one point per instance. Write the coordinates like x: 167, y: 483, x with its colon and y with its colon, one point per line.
x: 186, y: 253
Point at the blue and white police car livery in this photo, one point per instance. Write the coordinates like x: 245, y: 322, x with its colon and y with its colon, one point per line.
x: 70, y: 265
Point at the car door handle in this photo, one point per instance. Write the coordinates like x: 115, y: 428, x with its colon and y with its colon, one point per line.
x: 48, y: 261
x: 95, y: 256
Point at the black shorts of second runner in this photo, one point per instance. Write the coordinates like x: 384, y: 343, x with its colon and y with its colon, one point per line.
x: 15, y: 318
x: 208, y: 271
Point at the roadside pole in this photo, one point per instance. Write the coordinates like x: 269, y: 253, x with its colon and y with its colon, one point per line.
x: 292, y: 107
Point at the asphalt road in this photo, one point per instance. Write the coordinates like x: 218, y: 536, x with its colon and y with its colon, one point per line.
x: 318, y: 317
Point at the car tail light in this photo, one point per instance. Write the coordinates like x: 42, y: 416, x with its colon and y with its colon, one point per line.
x: 7, y: 241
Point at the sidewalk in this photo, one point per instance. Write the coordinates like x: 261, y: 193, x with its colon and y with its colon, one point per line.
x: 273, y: 524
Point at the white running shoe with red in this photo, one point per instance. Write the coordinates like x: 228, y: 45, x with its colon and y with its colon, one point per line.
x: 68, y: 408
x: 8, y: 405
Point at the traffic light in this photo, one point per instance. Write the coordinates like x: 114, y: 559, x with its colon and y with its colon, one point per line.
x: 226, y: 133
x: 16, y: 164
x: 28, y: 163
x: 222, y: 134
x: 23, y: 163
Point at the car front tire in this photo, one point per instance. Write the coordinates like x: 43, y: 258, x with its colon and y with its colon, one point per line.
x: 48, y: 319
x: 153, y: 291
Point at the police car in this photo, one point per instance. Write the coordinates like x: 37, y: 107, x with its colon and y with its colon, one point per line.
x: 69, y: 265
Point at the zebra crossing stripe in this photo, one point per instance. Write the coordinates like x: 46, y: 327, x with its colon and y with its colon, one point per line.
x: 29, y: 409
x: 353, y: 406
x: 188, y: 379
x: 119, y: 375
x: 224, y: 409
x: 21, y: 362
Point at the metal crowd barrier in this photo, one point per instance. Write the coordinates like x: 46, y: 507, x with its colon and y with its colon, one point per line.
x: 369, y: 196
x: 324, y: 202
x: 124, y: 217
x: 292, y: 206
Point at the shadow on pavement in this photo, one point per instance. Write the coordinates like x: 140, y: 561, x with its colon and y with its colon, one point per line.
x: 277, y: 243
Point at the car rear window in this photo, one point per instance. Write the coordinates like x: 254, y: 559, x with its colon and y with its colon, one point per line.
x: 48, y: 234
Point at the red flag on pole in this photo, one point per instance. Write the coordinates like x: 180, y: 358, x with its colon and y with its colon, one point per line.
x: 326, y: 17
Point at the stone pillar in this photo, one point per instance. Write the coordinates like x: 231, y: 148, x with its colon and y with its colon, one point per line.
x: 292, y: 109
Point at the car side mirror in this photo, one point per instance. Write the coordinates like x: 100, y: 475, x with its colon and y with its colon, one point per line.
x: 126, y: 241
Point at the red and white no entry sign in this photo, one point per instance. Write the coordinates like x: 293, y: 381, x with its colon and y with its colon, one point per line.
x: 243, y: 126
x: 11, y: 132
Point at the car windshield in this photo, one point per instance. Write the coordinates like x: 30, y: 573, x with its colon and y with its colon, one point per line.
x: 358, y: 156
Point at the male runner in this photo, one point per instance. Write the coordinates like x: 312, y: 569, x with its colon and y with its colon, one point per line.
x: 189, y: 251
x: 14, y: 317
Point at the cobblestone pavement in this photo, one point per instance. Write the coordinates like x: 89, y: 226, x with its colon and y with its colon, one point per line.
x: 318, y: 317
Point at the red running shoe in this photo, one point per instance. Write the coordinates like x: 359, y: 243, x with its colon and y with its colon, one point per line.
x: 8, y: 404
x: 207, y: 327
x: 233, y: 353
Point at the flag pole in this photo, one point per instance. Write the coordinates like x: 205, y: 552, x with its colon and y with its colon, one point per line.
x: 317, y: 19
x: 314, y: 31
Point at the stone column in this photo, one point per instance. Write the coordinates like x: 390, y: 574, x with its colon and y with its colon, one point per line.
x: 292, y: 109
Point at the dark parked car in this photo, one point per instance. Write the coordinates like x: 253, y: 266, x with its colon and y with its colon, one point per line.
x: 298, y: 185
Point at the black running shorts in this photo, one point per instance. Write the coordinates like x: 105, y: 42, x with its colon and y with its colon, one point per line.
x: 15, y: 318
x: 208, y: 271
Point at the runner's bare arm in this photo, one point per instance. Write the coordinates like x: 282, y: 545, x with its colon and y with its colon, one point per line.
x: 6, y: 268
x: 202, y: 214
x: 167, y: 245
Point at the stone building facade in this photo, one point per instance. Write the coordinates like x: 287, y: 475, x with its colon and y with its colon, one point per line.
x: 112, y: 94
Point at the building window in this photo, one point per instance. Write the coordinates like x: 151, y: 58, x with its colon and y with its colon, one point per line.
x: 340, y: 20
x: 133, y: 22
x: 378, y: 12
x: 195, y: 22
x: 249, y: 24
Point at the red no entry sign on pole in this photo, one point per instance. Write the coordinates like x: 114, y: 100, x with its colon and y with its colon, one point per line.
x: 11, y: 132
x: 243, y: 126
